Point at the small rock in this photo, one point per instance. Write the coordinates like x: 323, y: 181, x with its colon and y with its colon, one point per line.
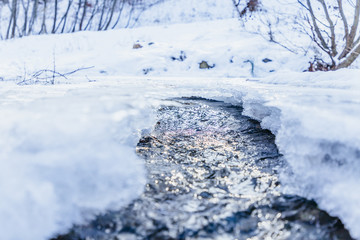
x: 181, y: 57
x: 137, y: 46
x: 205, y: 65
x: 147, y: 70
x: 266, y: 60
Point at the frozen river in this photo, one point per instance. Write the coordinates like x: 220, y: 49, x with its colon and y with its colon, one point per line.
x: 212, y: 173
x: 68, y: 154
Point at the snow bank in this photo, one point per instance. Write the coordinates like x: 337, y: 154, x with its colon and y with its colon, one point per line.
x: 66, y: 154
x: 315, y: 117
x: 233, y: 52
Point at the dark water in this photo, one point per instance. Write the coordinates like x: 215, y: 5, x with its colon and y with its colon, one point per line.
x: 212, y: 174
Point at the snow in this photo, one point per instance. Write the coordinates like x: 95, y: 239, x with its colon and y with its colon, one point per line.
x: 318, y: 135
x: 68, y: 149
x: 61, y: 164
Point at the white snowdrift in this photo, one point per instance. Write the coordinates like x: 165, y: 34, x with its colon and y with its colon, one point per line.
x: 66, y: 153
x: 316, y: 120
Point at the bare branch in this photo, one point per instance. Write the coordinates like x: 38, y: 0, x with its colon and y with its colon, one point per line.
x: 316, y: 27
x: 119, y: 15
x: 93, y: 13
x: 332, y: 29
x: 83, y: 15
x: 351, y: 36
x: 355, y: 22
x: 111, y: 14
x: 77, y: 70
x: 55, y: 16
x: 43, y: 25
x: 38, y: 77
x: 350, y: 59
x: 343, y: 18
x: 33, y: 16
x: 76, y: 16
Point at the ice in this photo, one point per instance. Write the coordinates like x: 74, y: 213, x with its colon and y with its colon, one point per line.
x: 65, y: 158
x: 315, y: 118
x: 67, y: 150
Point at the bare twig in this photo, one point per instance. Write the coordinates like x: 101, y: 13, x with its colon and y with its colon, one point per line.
x: 332, y: 28
x: 38, y: 76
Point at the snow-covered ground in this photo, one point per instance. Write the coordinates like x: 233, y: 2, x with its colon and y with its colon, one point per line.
x: 67, y: 150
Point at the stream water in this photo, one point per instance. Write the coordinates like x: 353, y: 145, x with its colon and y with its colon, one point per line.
x: 212, y: 174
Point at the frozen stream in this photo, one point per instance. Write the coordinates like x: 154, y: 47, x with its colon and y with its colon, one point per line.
x: 212, y: 174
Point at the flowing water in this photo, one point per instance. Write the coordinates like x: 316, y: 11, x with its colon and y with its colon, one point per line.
x: 212, y: 174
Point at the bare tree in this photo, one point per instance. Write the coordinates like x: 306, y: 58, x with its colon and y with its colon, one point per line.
x: 93, y: 13
x: 43, y: 24
x: 13, y: 17
x: 64, y: 17
x: 33, y: 15
x: 55, y: 16
x: 341, y: 41
x: 119, y: 14
x: 102, y: 15
x: 332, y: 25
x: 76, y: 16
x: 26, y: 17
x: 111, y: 14
x: 26, y: 6
x: 85, y: 5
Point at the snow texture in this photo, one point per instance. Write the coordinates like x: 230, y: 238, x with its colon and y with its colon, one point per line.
x: 67, y: 151
x: 66, y: 154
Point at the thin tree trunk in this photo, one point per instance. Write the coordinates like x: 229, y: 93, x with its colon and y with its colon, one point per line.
x: 102, y: 15
x: 119, y: 16
x: 349, y: 36
x: 9, y: 26
x: 350, y: 59
x: 111, y: 14
x: 130, y: 15
x: 236, y: 4
x: 316, y: 27
x: 43, y: 25
x: 14, y: 16
x: 26, y: 12
x: 33, y: 16
x: 76, y: 16
x: 83, y: 15
x: 355, y: 25
x: 55, y: 16
x: 63, y: 18
x: 332, y: 29
x: 93, y: 13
